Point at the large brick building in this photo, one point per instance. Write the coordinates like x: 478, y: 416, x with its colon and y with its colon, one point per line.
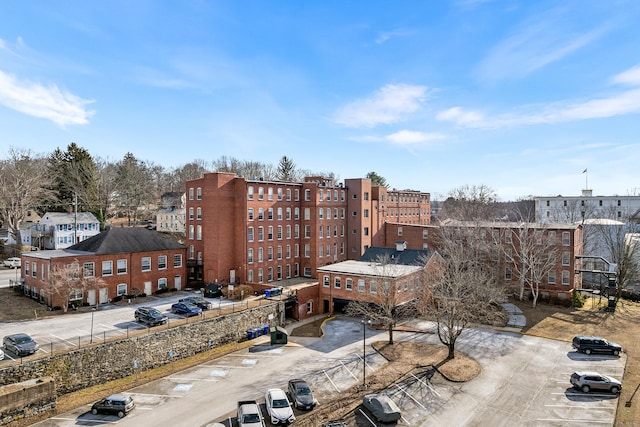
x: 255, y: 231
x: 124, y: 258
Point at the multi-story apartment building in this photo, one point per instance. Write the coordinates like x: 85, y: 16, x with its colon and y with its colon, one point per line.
x: 256, y: 231
x: 573, y: 209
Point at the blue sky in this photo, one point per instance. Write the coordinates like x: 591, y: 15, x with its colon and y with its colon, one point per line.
x: 520, y: 95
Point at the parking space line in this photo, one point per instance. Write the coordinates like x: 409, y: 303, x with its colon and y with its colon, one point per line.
x: 564, y: 420
x: 62, y: 339
x: 410, y: 396
x: 331, y: 381
x: 348, y: 370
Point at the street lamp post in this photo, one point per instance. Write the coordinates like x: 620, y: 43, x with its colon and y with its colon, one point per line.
x: 364, y: 352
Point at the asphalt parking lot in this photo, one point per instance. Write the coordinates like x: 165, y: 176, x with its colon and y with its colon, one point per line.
x: 524, y: 381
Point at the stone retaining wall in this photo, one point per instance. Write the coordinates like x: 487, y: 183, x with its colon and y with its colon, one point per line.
x: 27, y: 399
x: 99, y: 364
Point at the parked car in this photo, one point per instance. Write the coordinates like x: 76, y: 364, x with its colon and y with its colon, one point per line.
x: 13, y: 262
x: 213, y: 290
x: 150, y: 316
x: 1, y: 354
x: 382, y: 408
x: 185, y: 309
x: 197, y: 301
x: 117, y: 404
x: 301, y: 395
x: 587, y: 381
x: 588, y: 345
x: 20, y: 344
x: 278, y: 407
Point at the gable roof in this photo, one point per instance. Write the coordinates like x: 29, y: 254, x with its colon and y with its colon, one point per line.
x: 67, y: 218
x: 403, y: 257
x: 126, y: 240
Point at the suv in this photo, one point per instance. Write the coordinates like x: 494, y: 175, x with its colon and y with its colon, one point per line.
x: 588, y: 345
x: 117, y: 404
x: 150, y: 316
x: 587, y: 381
x: 213, y: 290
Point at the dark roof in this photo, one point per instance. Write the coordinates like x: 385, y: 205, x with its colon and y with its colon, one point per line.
x: 404, y: 257
x: 126, y: 240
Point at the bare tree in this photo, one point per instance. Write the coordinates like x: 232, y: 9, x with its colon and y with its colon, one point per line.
x: 23, y: 185
x: 134, y: 185
x: 464, y: 290
x: 470, y: 203
x: 68, y: 283
x: 387, y: 305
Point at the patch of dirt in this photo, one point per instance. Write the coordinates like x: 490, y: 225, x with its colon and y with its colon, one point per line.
x: 311, y: 330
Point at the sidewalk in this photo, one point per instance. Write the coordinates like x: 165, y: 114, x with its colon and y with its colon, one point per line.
x: 516, y: 320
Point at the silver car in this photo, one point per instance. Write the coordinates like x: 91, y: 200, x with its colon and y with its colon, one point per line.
x: 587, y: 381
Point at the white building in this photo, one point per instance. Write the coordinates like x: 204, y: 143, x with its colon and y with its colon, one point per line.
x: 171, y: 220
x: 59, y: 230
x: 576, y: 209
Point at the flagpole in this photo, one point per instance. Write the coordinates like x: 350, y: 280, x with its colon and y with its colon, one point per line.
x: 586, y: 179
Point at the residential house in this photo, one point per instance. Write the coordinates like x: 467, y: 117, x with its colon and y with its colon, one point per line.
x: 60, y: 230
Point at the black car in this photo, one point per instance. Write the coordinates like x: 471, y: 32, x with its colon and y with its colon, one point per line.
x: 197, y: 301
x: 301, y: 395
x: 213, y: 290
x: 150, y: 316
x: 116, y: 404
x: 588, y: 345
x: 20, y: 344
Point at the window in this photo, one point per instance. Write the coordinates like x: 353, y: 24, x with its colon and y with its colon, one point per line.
x: 250, y: 234
x: 310, y: 307
x: 296, y: 231
x: 270, y: 214
x: 360, y: 285
x: 288, y: 232
x: 373, y: 287
x: 250, y: 276
x: 198, y: 193
x: 297, y: 195
x: 337, y: 283
x: 260, y: 193
x: 122, y: 289
x: 162, y: 262
x: 260, y: 214
x: 425, y: 234
x: 288, y: 214
x: 320, y: 213
x: 565, y: 277
x: 307, y: 195
x: 566, y: 238
x: 250, y: 214
x: 288, y: 194
x: 270, y: 253
x: 190, y: 213
x: 177, y: 261
x: 325, y: 281
x: 366, y: 195
x: 307, y: 231
x: 307, y: 214
x: 279, y: 193
x: 88, y: 269
x: 348, y: 284
x: 270, y: 232
x: 107, y: 268
x: 198, y: 232
x: 279, y: 252
x: 279, y: 214
x: 250, y: 256
x: 260, y: 254
x: 270, y: 193
x: 260, y: 275
x: 260, y: 234
x: 551, y: 277
x: 366, y: 231
x: 191, y: 232
x: 566, y: 258
x: 270, y: 274
x: 296, y: 213
x: 507, y: 274
x: 507, y: 236
x: 146, y: 263
x: 399, y: 231
x: 199, y: 213
x: 191, y: 194
x: 307, y: 250
x: 320, y: 251
x: 288, y: 251
x: 162, y: 283
x: 250, y: 192
x: 366, y: 213
x: 122, y: 266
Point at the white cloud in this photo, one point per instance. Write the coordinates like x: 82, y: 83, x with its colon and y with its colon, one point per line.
x: 49, y: 103
x: 629, y: 77
x: 407, y: 137
x: 536, y: 43
x: 390, y: 104
x: 626, y: 102
x: 386, y: 35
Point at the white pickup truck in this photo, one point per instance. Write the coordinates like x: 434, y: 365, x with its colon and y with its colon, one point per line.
x: 249, y: 414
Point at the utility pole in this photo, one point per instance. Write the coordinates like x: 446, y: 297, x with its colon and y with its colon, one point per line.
x: 75, y: 219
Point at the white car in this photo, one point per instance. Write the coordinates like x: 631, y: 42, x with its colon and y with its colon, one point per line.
x: 1, y: 354
x: 278, y: 407
x: 13, y: 262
